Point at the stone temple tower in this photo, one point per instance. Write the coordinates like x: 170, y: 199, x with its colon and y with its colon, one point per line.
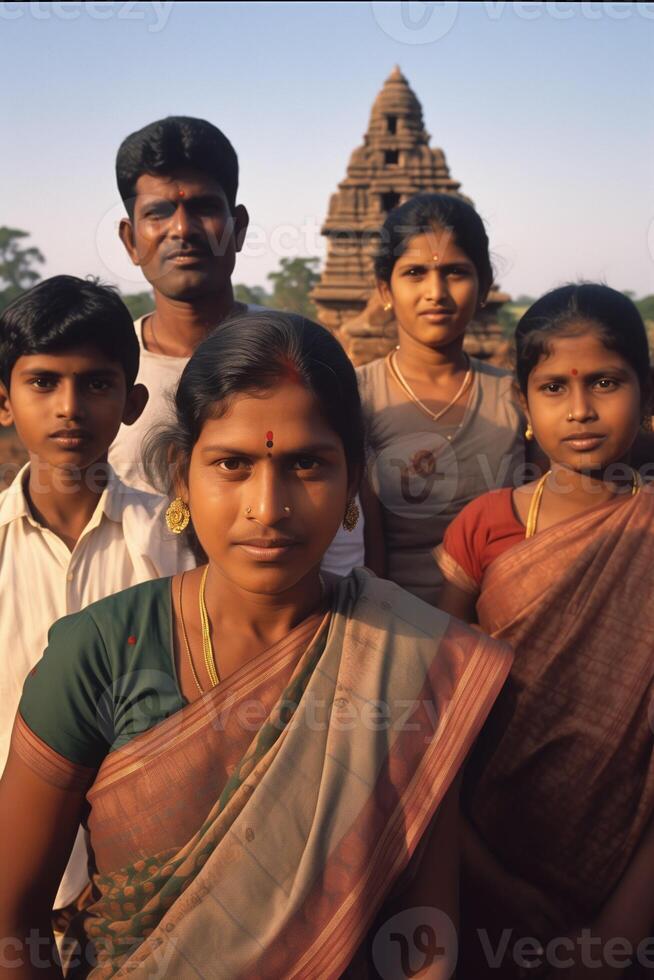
x: 394, y: 163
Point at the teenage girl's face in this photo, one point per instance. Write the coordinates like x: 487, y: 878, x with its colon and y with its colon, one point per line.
x: 265, y: 515
x: 434, y: 290
x: 584, y: 402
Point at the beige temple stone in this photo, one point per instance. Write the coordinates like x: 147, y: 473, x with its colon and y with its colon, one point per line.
x: 394, y: 163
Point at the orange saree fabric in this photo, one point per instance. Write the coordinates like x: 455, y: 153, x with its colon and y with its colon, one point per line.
x: 256, y: 833
x: 562, y: 784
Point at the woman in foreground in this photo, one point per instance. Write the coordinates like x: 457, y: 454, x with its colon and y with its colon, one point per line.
x: 561, y: 790
x: 266, y: 762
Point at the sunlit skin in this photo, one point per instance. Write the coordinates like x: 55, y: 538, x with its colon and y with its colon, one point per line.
x: 265, y: 518
x: 67, y: 409
x: 434, y: 293
x: 184, y: 237
x: 585, y: 405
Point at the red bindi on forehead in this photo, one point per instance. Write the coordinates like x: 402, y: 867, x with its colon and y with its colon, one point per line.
x: 574, y: 371
x: 181, y: 193
x: 269, y: 439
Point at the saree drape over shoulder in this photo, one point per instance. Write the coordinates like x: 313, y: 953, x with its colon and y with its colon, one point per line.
x: 562, y: 785
x: 256, y: 832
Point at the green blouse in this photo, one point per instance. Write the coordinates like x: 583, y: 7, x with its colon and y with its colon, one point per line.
x: 107, y: 675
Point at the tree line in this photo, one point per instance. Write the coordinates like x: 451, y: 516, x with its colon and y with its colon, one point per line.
x: 289, y: 290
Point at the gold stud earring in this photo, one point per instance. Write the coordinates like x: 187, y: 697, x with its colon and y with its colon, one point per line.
x: 351, y: 518
x: 177, y: 516
x: 529, y: 432
x: 387, y: 307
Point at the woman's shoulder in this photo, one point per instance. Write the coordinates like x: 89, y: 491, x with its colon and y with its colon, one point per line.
x: 488, y: 507
x: 372, y: 379
x: 495, y: 379
x: 96, y: 663
x: 119, y: 608
x: 379, y: 601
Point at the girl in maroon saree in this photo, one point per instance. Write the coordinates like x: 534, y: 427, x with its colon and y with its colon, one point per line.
x: 560, y: 792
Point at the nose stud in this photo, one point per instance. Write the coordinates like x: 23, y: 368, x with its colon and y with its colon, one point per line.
x: 248, y: 510
x: 287, y: 510
x: 570, y: 417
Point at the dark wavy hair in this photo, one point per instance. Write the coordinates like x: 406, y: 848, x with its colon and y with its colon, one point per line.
x: 64, y: 312
x: 170, y: 144
x: 250, y: 354
x: 420, y: 215
x: 563, y: 311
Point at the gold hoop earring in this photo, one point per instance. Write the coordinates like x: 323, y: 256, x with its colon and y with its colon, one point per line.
x: 177, y: 516
x: 352, y: 514
x: 529, y: 432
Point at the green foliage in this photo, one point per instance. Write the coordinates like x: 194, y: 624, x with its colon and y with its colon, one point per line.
x: 507, y: 319
x: 292, y: 285
x: 646, y: 307
x: 254, y: 295
x: 139, y: 304
x: 16, y: 265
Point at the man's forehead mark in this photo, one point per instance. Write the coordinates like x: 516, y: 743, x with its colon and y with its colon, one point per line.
x: 269, y: 439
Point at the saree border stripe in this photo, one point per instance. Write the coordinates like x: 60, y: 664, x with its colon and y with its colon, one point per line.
x: 479, y: 686
x: 453, y: 572
x: 157, y: 740
x: 48, y: 764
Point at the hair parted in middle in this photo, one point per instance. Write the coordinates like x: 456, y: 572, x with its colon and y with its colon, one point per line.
x: 172, y: 144
x: 424, y: 213
x: 570, y: 309
x: 249, y: 354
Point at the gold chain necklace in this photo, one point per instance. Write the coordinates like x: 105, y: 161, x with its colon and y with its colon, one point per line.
x: 397, y: 374
x: 207, y: 646
x: 534, y: 506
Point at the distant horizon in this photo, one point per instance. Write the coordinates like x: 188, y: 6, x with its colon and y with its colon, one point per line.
x: 544, y: 116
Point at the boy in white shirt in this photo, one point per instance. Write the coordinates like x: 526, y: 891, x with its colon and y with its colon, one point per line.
x: 70, y: 531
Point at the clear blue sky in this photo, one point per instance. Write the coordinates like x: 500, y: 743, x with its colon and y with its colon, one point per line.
x: 544, y: 111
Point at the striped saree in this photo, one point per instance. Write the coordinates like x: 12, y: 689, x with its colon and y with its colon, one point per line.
x: 561, y: 785
x: 257, y: 832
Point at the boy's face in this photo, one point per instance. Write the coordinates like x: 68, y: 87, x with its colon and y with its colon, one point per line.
x: 183, y: 234
x: 67, y: 407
